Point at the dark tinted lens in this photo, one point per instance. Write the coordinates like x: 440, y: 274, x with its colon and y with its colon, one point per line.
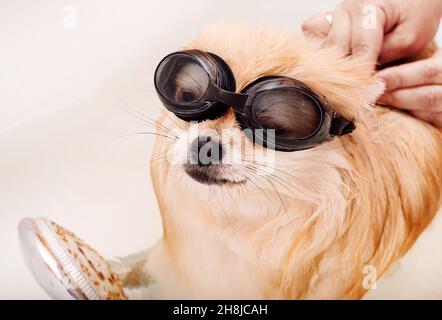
x: 182, y: 79
x: 293, y: 114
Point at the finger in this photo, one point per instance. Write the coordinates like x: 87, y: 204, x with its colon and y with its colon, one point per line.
x: 317, y: 25
x: 425, y: 98
x: 401, y: 43
x: 340, y: 31
x: 367, y: 32
x: 424, y: 72
x: 431, y: 117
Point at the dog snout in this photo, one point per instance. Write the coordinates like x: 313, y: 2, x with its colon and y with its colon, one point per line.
x: 206, y: 151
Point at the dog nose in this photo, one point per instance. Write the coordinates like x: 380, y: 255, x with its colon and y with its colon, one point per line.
x: 206, y: 151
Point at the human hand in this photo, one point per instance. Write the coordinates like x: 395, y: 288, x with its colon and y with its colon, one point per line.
x: 417, y: 87
x: 379, y: 29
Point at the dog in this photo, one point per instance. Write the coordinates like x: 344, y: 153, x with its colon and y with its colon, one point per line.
x: 324, y: 223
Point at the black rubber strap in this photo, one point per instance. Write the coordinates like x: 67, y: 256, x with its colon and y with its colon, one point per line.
x: 341, y: 126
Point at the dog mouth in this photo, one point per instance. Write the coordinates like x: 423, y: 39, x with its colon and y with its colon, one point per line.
x: 209, y: 175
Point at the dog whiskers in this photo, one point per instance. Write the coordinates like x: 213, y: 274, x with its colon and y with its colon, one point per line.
x: 149, y: 121
x: 278, y: 194
x: 149, y: 133
x: 174, y: 121
x: 272, y: 185
x: 249, y: 178
x: 276, y: 177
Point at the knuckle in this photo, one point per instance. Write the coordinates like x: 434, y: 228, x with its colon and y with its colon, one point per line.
x: 410, y: 44
x: 397, y: 80
x: 431, y: 72
x: 432, y: 100
x: 360, y: 48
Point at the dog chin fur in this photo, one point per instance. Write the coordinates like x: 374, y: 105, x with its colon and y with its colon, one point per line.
x: 326, y: 215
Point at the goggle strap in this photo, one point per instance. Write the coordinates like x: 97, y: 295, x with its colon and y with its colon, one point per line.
x: 341, y: 126
x: 226, y: 97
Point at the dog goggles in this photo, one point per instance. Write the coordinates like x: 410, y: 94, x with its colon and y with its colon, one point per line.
x: 197, y: 85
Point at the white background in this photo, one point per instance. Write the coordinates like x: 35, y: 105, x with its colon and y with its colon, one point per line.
x: 62, y: 105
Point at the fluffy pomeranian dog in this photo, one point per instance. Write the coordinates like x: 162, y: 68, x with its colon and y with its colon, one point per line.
x: 319, y: 223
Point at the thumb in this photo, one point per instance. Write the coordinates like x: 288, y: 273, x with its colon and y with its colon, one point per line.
x: 317, y: 25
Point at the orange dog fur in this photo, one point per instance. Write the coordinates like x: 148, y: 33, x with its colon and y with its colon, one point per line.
x: 325, y: 215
